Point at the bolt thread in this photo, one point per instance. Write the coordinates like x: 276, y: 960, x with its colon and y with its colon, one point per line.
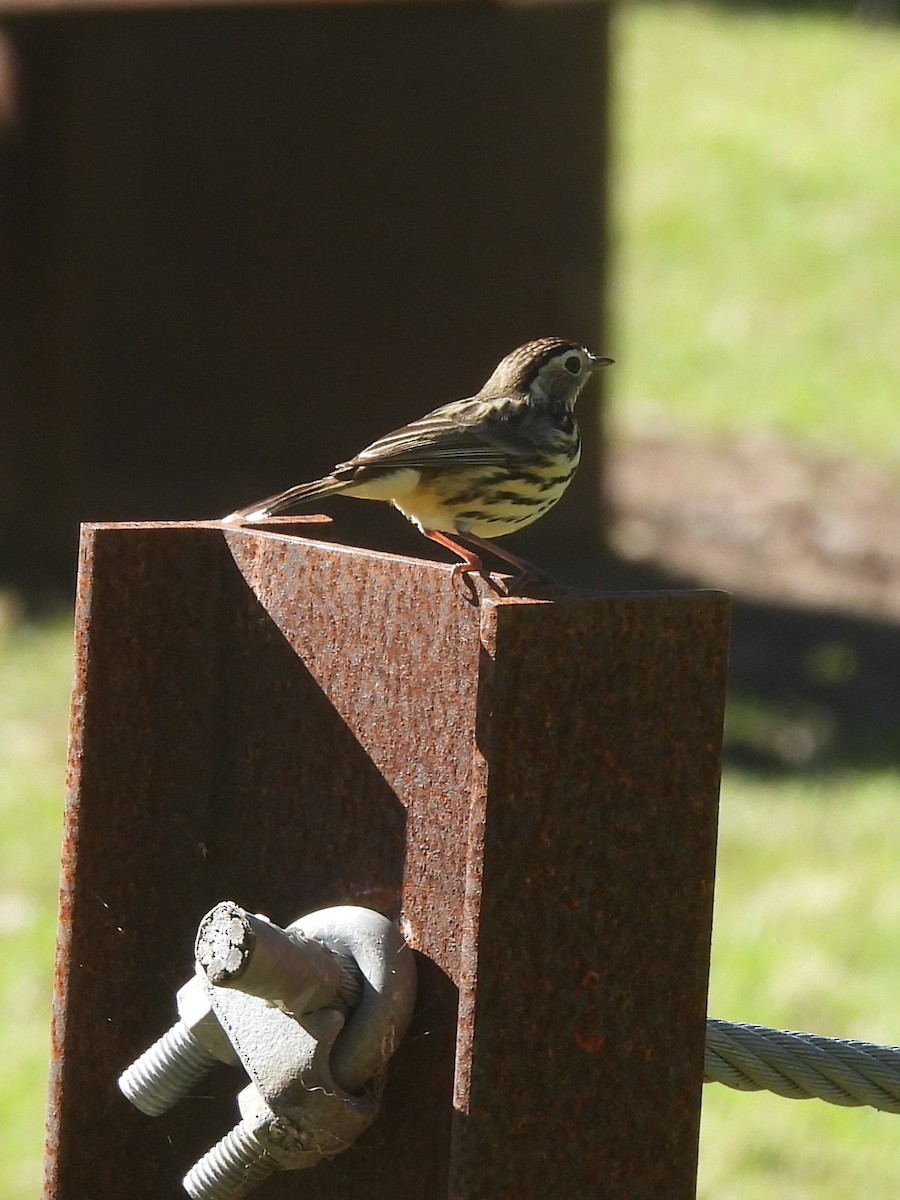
x: 232, y: 1168
x: 167, y: 1071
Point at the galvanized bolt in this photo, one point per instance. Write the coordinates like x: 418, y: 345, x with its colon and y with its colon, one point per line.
x: 256, y: 1148
x: 235, y: 949
x: 233, y: 1167
x: 174, y: 1063
x: 167, y: 1071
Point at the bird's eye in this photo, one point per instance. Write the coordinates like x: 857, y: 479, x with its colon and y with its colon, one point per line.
x: 573, y: 364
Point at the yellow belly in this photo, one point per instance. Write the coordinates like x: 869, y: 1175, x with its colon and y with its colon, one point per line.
x: 485, y: 501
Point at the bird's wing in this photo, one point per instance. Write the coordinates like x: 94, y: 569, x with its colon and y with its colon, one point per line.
x: 457, y: 433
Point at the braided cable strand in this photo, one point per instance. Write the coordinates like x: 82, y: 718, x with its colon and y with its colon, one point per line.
x: 802, y: 1066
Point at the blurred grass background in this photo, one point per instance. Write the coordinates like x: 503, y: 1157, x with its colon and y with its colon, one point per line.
x: 755, y: 286
x: 757, y: 185
x: 35, y: 670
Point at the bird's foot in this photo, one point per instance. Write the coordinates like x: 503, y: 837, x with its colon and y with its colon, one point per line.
x: 535, y: 585
x: 462, y: 577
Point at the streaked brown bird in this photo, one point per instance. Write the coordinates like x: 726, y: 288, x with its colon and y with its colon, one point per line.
x: 477, y: 468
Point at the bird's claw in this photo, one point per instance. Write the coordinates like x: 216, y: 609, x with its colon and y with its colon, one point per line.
x: 462, y: 578
x: 536, y: 585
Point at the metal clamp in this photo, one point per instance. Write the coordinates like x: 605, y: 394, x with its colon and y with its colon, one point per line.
x: 313, y: 1012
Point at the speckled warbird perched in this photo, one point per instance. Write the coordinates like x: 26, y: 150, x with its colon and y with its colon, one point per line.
x: 477, y: 468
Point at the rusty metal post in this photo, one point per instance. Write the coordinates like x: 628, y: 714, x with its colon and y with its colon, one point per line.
x: 297, y: 724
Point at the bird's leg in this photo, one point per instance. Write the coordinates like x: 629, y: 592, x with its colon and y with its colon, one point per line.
x: 470, y: 561
x: 528, y: 572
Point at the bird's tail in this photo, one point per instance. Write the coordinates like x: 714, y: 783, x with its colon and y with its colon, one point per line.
x: 302, y: 493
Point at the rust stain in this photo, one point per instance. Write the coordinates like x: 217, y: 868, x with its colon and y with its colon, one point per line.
x: 590, y: 1043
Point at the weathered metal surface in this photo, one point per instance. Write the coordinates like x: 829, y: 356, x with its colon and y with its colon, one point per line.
x: 588, y: 941
x: 296, y: 724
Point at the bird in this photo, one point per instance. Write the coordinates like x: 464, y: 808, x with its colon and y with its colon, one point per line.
x: 475, y: 469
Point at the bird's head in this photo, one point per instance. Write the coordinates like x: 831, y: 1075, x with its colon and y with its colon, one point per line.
x: 547, y: 369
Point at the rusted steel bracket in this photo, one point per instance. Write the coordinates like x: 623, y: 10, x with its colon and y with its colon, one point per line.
x: 531, y: 786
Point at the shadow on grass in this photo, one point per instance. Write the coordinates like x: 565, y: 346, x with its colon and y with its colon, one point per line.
x: 809, y: 690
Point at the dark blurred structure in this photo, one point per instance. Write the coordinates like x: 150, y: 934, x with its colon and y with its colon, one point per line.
x: 238, y: 243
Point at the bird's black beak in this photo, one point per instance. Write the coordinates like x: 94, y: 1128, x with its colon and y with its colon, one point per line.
x: 599, y: 360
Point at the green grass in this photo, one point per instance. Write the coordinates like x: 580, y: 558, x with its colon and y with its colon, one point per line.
x: 34, y: 696
x: 756, y: 206
x: 806, y: 936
